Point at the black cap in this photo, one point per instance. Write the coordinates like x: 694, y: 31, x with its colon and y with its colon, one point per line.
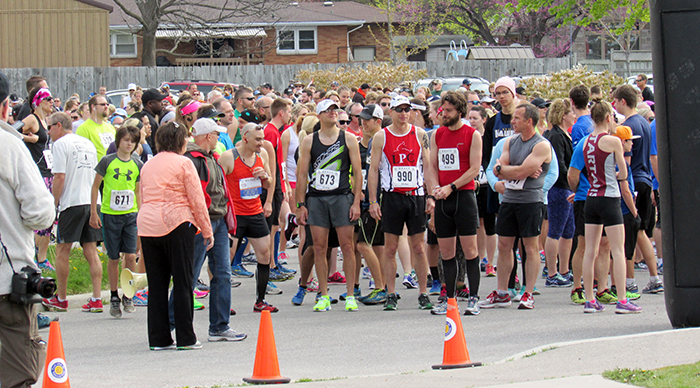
x: 364, y: 86
x: 152, y: 94
x: 212, y: 113
x: 520, y: 90
x: 250, y: 116
x: 4, y: 88
x: 266, y: 85
x: 466, y: 81
x: 540, y: 102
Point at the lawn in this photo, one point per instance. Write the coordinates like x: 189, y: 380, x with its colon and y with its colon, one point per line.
x: 79, y: 281
x: 681, y: 376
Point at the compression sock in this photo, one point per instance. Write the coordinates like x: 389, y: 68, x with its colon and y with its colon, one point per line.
x: 435, y: 273
x: 262, y: 275
x: 473, y: 274
x: 450, y: 270
x: 277, y: 247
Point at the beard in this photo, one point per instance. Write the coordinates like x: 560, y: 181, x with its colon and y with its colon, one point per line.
x: 448, y: 122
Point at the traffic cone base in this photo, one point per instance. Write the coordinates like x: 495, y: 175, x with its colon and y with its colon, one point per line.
x: 455, y: 354
x: 266, y: 369
x: 55, y: 370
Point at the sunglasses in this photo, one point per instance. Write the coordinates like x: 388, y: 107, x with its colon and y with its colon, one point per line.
x: 75, y: 118
x: 103, y: 104
x: 403, y: 110
x: 384, y: 104
x: 638, y: 80
x: 49, y: 99
x: 250, y: 98
x: 344, y: 122
x: 474, y: 102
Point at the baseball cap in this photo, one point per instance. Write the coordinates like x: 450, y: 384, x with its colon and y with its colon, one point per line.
x: 488, y: 99
x: 120, y: 112
x: 325, y: 105
x: 4, y: 87
x: 250, y: 116
x: 466, y: 81
x: 205, y: 126
x: 372, y: 111
x: 266, y: 85
x: 364, y: 86
x: 540, y: 102
x: 520, y: 90
x: 398, y: 101
x: 152, y: 95
x: 132, y: 87
x: 625, y: 133
x: 335, y: 83
x: 213, y: 113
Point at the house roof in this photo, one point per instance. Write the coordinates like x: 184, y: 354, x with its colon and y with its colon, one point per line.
x: 308, y: 13
x: 501, y: 52
x: 97, y: 4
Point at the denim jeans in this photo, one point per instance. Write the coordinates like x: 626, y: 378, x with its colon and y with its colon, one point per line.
x: 219, y: 265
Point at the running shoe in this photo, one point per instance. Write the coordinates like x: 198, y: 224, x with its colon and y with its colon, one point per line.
x: 443, y: 292
x: 286, y: 271
x: 350, y: 304
x: 660, y: 268
x: 159, y: 348
x: 298, y: 298
x: 424, y: 302
x: 519, y: 295
x: 312, y: 286
x: 232, y: 312
x: 568, y: 276
x: 545, y: 272
x: 593, y: 307
x: 291, y: 245
x: 46, y: 266
x: 226, y: 335
x: 290, y: 225
x: 52, y: 304
x: 128, y: 304
x: 653, y: 288
x: 323, y: 304
x: 462, y: 293
x: 371, y: 285
x: 409, y: 282
x: 557, y: 281
x: 391, y: 302
x: 517, y: 283
x: 356, y: 293
x: 272, y: 289
x: 296, y: 240
x: 336, y: 278
x: 43, y: 320
x: 440, y: 309
x: 633, y: 288
x: 234, y: 283
x: 199, y: 294
x: 495, y: 300
x: 577, y: 296
x: 93, y: 306
x: 332, y: 299
x: 264, y: 306
x: 543, y: 257
x: 366, y: 273
x: 115, y: 307
x: 197, y: 305
x: 141, y: 298
x: 239, y: 271
x: 627, y: 308
x: 640, y: 266
x: 277, y: 276
x: 490, y: 271
x: 195, y: 346
x: 606, y: 297
x: 249, y: 258
x: 482, y: 264
x: 282, y: 258
x: 535, y: 291
x: 435, y: 288
x: 473, y: 306
x: 377, y: 296
x: 512, y: 293
x: 201, y: 286
x: 628, y: 294
x: 527, y: 302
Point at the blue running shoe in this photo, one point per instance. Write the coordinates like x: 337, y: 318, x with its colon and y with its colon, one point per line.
x: 240, y: 271
x: 371, y: 284
x: 377, y: 296
x: 298, y: 298
x: 410, y: 282
x: 435, y: 288
x: 272, y: 289
x: 250, y: 258
x: 484, y: 261
x: 366, y: 274
x: 356, y: 293
x: 141, y: 298
x: 285, y: 270
x: 46, y: 266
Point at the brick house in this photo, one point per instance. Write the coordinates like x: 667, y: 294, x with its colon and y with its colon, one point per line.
x: 304, y: 32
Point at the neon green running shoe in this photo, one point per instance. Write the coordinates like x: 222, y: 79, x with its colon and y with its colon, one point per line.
x: 633, y: 295
x: 606, y: 297
x: 324, y: 303
x: 350, y: 304
x: 577, y: 296
x: 197, y: 305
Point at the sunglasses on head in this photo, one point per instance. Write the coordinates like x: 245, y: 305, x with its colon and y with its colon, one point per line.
x: 403, y: 110
x: 344, y: 122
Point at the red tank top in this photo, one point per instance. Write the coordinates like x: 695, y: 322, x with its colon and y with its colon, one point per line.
x: 454, y: 148
x: 401, y: 167
x: 601, y: 169
x: 245, y: 189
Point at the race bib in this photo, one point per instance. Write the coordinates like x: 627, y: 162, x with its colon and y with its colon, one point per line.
x: 48, y: 158
x: 284, y: 170
x: 251, y: 188
x: 515, y: 184
x: 122, y: 200
x: 482, y: 176
x: 404, y: 176
x: 448, y: 159
x: 327, y: 180
x: 106, y: 139
x: 364, y: 179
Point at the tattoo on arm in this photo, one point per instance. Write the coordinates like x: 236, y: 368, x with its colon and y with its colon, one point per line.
x: 426, y: 141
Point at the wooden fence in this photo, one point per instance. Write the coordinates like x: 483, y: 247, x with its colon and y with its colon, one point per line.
x: 65, y: 81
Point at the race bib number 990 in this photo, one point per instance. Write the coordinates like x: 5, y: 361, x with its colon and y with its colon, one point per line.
x: 121, y: 200
x: 404, y: 176
x: 448, y: 159
x: 327, y: 180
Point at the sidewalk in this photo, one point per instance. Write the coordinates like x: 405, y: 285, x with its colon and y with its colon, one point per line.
x: 567, y: 364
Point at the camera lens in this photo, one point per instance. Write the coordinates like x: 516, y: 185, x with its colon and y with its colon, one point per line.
x: 46, y: 287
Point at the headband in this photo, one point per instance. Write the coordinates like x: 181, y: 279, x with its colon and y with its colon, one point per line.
x: 190, y: 107
x: 40, y: 96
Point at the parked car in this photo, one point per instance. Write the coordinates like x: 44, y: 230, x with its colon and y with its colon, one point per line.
x: 479, y: 85
x: 204, y: 86
x: 650, y: 81
x: 117, y: 95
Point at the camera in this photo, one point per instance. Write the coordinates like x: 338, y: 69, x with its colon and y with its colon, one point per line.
x: 28, y: 286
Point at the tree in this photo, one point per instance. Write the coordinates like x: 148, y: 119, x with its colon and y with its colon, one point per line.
x: 190, y: 15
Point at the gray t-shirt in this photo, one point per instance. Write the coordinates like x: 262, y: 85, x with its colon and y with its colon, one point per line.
x: 528, y: 190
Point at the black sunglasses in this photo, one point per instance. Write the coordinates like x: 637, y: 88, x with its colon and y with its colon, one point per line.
x: 403, y: 110
x: 344, y: 122
x: 250, y: 98
x: 384, y: 104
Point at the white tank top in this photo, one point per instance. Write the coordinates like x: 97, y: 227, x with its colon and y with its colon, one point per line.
x: 291, y: 162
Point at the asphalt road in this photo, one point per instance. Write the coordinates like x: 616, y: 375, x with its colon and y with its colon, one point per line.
x: 105, y: 352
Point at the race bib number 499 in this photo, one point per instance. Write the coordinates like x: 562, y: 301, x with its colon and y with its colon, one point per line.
x: 448, y: 159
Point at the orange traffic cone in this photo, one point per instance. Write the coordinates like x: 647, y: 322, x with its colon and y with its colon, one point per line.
x: 55, y: 371
x: 455, y: 354
x: 267, y: 368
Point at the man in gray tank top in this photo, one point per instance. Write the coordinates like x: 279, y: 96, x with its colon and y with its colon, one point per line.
x: 521, y: 168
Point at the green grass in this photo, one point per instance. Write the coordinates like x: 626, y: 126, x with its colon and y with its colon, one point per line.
x: 79, y: 281
x: 681, y: 376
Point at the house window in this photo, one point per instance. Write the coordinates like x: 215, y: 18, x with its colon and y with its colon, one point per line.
x: 363, y: 54
x: 297, y: 41
x: 123, y: 45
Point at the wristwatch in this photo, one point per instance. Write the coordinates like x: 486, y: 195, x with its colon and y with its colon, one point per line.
x: 300, y: 204
x: 498, y: 170
x: 453, y: 187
